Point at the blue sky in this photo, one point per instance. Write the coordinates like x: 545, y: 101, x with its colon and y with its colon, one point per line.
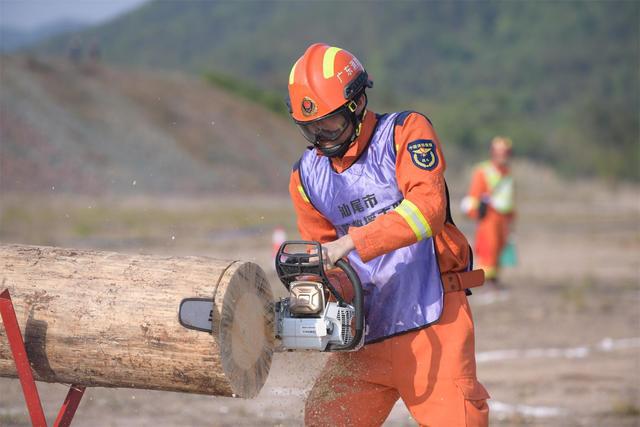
x: 30, y: 14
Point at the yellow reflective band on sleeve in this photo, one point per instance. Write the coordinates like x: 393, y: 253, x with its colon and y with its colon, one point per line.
x: 329, y: 61
x: 291, y: 74
x: 303, y: 194
x: 415, y: 219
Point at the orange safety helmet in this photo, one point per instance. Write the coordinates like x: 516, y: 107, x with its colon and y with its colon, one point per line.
x: 326, y: 81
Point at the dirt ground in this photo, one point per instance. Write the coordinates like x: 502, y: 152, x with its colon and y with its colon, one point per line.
x: 561, y: 347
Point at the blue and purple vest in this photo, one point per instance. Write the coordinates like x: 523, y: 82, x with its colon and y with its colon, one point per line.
x: 402, y: 289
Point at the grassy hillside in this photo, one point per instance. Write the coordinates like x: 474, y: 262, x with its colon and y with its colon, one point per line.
x: 560, y: 77
x: 95, y: 129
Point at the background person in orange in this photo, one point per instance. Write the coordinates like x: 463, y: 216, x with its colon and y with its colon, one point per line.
x: 371, y: 189
x: 490, y: 201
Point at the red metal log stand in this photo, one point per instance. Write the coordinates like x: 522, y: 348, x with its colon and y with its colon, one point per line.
x: 31, y: 396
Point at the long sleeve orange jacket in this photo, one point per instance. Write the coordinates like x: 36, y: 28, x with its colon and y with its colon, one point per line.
x: 424, y: 188
x: 479, y: 189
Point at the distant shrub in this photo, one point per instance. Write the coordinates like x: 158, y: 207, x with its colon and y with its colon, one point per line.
x: 269, y: 99
x: 625, y: 409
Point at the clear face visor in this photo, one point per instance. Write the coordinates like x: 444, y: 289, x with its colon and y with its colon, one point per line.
x: 330, y: 127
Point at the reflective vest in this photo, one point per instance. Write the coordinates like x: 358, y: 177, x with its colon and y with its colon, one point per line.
x: 402, y: 289
x: 501, y: 188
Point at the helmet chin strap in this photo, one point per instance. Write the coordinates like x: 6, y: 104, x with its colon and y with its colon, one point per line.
x: 340, y: 149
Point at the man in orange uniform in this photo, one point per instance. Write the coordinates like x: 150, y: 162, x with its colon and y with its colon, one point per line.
x: 491, y: 202
x: 371, y: 189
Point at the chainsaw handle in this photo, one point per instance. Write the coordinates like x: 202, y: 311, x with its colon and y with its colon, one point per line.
x: 292, y: 264
x: 358, y: 304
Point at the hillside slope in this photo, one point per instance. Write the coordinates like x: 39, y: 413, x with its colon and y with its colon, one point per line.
x: 103, y: 130
x: 559, y: 77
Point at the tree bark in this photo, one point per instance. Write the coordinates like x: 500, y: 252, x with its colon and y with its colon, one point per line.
x: 111, y: 320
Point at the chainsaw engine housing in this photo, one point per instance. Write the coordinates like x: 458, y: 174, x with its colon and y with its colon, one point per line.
x: 332, y: 325
x: 308, y: 319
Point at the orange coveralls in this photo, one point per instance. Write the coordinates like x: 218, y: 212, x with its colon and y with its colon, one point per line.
x: 493, y: 229
x: 433, y: 369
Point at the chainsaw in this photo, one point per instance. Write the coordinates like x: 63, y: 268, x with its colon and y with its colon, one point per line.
x: 308, y: 319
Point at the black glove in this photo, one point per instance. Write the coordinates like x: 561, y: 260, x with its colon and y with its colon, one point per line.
x: 482, y: 209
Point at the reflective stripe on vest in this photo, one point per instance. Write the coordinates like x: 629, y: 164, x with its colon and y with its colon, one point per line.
x: 403, y: 289
x: 501, y: 188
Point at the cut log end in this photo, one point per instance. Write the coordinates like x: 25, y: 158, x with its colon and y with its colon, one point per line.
x: 246, y: 333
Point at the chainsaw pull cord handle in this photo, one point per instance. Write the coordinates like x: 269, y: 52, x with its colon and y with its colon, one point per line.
x: 358, y: 304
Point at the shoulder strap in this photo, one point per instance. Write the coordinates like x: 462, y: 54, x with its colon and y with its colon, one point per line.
x: 297, y: 167
x: 449, y: 218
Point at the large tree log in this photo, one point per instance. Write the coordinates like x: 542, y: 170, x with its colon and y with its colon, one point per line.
x: 111, y: 320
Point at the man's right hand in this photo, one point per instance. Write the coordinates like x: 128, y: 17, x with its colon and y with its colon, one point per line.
x: 333, y: 251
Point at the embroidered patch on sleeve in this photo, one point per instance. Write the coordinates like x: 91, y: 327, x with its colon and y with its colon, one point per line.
x: 423, y: 153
